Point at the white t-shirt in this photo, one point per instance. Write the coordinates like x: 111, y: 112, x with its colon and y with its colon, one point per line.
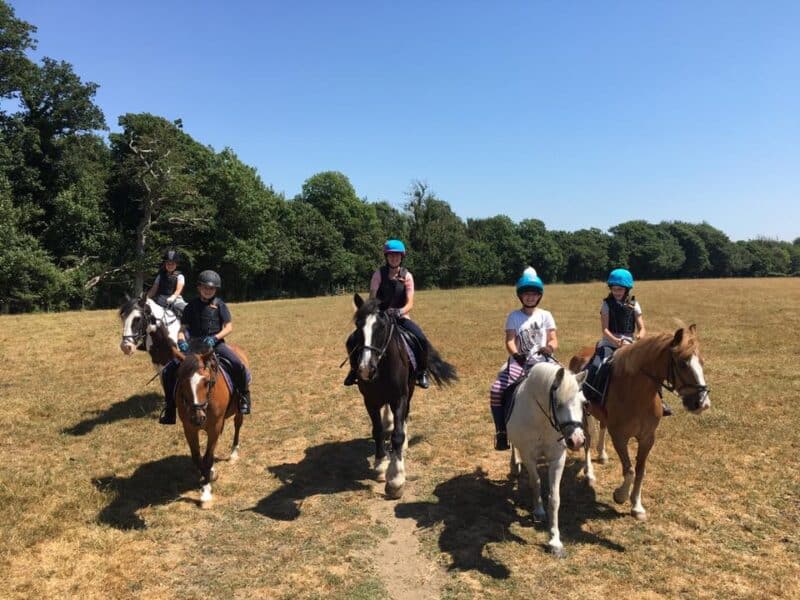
x: 637, y: 312
x: 531, y: 331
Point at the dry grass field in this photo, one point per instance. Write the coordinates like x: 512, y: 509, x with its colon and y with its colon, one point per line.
x: 99, y: 501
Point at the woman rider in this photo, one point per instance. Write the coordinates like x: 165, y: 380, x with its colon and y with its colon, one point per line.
x: 393, y: 286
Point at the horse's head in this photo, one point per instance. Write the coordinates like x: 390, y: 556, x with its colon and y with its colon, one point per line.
x: 196, y: 377
x: 566, y: 406
x: 375, y: 328
x: 134, y: 324
x: 685, y: 370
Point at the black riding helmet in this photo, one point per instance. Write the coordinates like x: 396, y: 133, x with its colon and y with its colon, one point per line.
x: 211, y: 278
x: 171, y: 255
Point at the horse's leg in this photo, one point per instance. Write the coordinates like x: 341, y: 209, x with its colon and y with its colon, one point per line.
x: 588, y: 469
x: 381, y: 460
x: 556, y: 469
x: 602, y: 455
x: 645, y: 445
x: 620, y: 442
x: 237, y: 425
x: 213, y: 433
x: 396, y: 473
x: 193, y: 439
x: 535, y: 484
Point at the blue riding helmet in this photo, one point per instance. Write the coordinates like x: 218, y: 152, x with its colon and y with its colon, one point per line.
x: 620, y: 277
x: 394, y: 246
x: 529, y: 281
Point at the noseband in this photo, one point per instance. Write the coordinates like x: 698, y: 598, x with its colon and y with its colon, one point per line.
x: 382, y: 351
x: 565, y: 428
x: 210, y: 381
x: 674, y: 383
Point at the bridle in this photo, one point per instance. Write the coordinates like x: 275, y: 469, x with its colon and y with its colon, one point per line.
x: 565, y: 428
x: 146, y: 319
x: 210, y: 382
x: 380, y: 351
x: 674, y: 383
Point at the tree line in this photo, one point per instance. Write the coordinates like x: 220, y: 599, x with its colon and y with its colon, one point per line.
x: 85, y: 215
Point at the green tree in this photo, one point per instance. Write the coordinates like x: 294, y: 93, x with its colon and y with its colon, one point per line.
x: 694, y: 249
x: 501, y: 235
x: 16, y: 37
x: 586, y: 254
x: 438, y: 240
x: 542, y: 251
x: 649, y: 252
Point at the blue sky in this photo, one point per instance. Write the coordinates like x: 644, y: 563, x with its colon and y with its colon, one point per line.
x: 581, y: 114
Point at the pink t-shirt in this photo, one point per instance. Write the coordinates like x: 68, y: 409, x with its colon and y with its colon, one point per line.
x: 375, y: 283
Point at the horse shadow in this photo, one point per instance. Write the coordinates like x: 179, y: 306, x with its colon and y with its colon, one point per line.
x: 329, y: 468
x: 158, y: 482
x: 475, y: 511
x: 136, y: 407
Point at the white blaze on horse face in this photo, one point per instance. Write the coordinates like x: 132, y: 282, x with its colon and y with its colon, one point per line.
x: 694, y: 363
x: 366, y: 355
x: 195, y: 381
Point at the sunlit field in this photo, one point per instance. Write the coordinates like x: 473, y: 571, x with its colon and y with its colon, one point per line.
x: 99, y: 501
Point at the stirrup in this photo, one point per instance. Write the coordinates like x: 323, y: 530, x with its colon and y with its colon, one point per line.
x: 666, y: 411
x: 501, y: 441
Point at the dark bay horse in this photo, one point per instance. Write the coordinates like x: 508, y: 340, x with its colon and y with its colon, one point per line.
x: 386, y: 381
x: 633, y: 399
x: 204, y: 401
x: 140, y: 319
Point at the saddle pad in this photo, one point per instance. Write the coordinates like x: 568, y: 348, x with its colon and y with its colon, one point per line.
x: 411, y: 358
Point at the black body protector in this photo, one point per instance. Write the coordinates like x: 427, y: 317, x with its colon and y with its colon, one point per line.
x: 621, y: 316
x: 167, y: 282
x: 206, y: 321
x: 392, y: 291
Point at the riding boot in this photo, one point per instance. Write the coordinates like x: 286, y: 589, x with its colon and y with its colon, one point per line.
x: 500, y: 436
x: 351, y: 378
x: 168, y: 374
x: 244, y: 402
x: 666, y: 411
x: 168, y: 414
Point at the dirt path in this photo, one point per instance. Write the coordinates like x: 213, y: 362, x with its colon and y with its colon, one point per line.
x: 406, y: 573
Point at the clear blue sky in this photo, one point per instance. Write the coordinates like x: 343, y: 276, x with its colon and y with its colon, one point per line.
x: 580, y: 114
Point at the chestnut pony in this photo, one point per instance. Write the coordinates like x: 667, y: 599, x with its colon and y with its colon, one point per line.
x: 633, y: 399
x: 204, y: 401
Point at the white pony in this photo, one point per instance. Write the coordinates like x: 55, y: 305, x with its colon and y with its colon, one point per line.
x: 546, y: 419
x: 140, y: 317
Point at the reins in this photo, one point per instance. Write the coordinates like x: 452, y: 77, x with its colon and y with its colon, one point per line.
x: 668, y: 382
x: 565, y: 428
x: 380, y: 351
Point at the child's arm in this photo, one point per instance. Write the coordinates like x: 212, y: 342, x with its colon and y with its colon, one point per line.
x: 640, y: 326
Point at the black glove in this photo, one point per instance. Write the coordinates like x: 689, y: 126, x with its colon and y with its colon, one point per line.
x: 520, y: 358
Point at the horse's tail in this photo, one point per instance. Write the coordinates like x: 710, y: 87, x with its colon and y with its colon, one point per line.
x: 442, y: 371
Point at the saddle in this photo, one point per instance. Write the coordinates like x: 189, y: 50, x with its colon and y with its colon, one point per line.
x: 598, y: 375
x: 412, y: 346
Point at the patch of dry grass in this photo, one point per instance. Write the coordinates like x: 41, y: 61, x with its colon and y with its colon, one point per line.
x: 99, y: 500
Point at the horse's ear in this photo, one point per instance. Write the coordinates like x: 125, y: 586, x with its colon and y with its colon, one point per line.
x: 559, y: 378
x: 676, y: 341
x: 581, y: 377
x: 358, y: 300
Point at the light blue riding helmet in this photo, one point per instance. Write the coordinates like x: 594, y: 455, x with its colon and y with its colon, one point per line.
x: 529, y: 281
x: 394, y: 246
x: 620, y: 277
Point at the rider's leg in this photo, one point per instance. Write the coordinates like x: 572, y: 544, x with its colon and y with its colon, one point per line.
x: 240, y: 374
x: 422, y: 367
x: 168, y: 376
x: 506, y: 377
x: 352, y: 375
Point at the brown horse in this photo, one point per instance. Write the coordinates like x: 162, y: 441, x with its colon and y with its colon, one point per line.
x: 204, y: 401
x: 633, y: 399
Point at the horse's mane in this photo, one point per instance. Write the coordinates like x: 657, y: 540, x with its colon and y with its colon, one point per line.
x: 370, y: 306
x: 128, y: 306
x: 646, y: 351
x: 189, y: 365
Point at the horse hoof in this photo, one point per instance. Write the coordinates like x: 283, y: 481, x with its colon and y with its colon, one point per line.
x: 205, y: 504
x: 214, y: 475
x: 619, y: 497
x: 601, y: 460
x: 558, y: 551
x: 639, y: 516
x: 393, y: 493
x: 380, y: 476
x: 234, y: 456
x: 539, y: 517
x: 591, y: 481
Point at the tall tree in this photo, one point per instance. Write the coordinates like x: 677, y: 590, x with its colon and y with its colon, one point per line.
x: 501, y: 235
x: 16, y: 37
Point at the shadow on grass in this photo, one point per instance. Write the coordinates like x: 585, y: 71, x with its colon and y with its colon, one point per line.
x: 136, y: 407
x: 157, y: 482
x: 329, y: 468
x: 475, y: 511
